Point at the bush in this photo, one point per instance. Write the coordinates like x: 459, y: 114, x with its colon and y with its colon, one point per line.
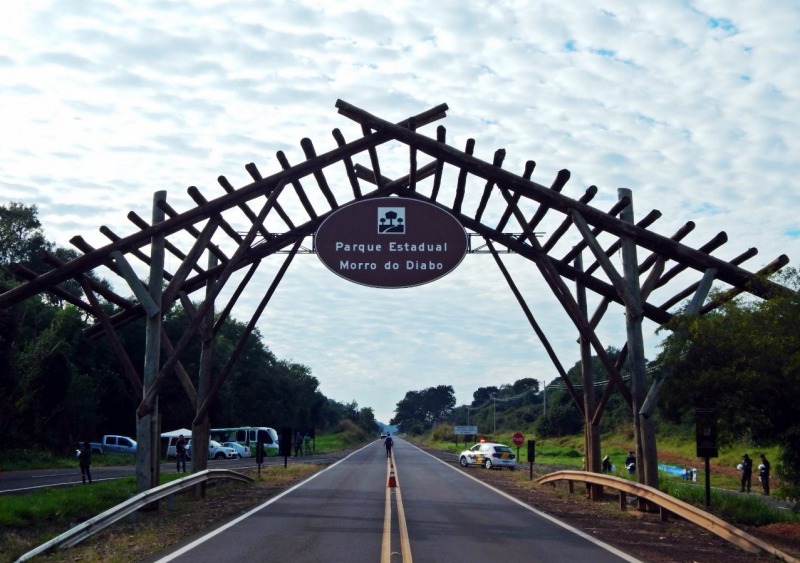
x: 443, y: 433
x: 560, y: 420
x: 416, y: 429
x: 351, y: 432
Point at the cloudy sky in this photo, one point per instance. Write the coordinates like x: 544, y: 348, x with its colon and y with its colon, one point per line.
x: 691, y: 104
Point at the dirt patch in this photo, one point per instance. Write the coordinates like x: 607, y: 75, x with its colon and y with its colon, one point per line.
x: 640, y: 534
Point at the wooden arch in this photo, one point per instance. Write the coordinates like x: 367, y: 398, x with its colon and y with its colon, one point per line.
x: 623, y: 287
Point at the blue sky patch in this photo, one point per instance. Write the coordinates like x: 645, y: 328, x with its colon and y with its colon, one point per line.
x: 794, y: 233
x: 605, y: 53
x: 570, y: 45
x: 723, y: 24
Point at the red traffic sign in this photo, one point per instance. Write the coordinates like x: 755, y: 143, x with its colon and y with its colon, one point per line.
x: 519, y: 439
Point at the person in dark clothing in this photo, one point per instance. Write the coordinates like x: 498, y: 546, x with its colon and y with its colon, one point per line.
x: 180, y: 454
x: 388, y: 443
x: 763, y: 473
x: 747, y: 473
x: 606, y: 468
x: 630, y: 463
x: 85, y: 460
x: 298, y: 444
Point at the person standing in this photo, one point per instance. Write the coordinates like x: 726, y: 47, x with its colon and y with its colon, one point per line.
x: 747, y: 472
x: 763, y: 473
x: 307, y: 442
x: 606, y: 467
x: 85, y: 460
x: 298, y: 444
x: 180, y: 454
x: 388, y: 443
x: 630, y: 463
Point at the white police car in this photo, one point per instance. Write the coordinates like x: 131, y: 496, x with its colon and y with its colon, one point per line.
x: 489, y: 455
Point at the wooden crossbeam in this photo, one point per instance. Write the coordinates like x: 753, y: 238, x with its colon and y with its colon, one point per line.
x: 561, y: 230
x: 91, y: 260
x: 319, y: 176
x: 441, y: 137
x: 135, y: 252
x: 461, y: 183
x: 499, y: 156
x: 298, y: 187
x: 654, y: 242
x: 226, y: 227
x: 527, y: 173
x: 192, y: 230
x: 648, y: 220
x: 134, y: 218
x: 348, y: 164
x: 252, y: 169
x: 25, y: 273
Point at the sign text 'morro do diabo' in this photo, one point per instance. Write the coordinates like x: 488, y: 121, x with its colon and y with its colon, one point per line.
x: 391, y: 242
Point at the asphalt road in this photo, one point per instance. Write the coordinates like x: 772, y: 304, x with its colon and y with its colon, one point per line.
x: 437, y: 513
x: 12, y: 482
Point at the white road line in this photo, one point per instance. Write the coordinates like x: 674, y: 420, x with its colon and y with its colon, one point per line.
x: 232, y: 523
x: 584, y: 535
x: 59, y: 485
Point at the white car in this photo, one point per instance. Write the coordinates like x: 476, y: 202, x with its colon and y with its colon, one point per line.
x: 242, y: 451
x: 215, y: 451
x: 489, y: 455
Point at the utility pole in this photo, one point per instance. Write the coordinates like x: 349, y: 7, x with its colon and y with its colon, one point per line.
x: 494, y: 412
x: 544, y: 397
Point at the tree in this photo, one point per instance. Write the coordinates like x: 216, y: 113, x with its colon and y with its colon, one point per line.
x: 743, y: 359
x: 426, y: 407
x: 483, y: 394
x: 21, y: 235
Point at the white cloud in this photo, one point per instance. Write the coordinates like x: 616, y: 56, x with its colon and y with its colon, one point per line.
x: 692, y: 105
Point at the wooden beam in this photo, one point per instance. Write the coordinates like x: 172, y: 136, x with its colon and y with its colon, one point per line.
x: 142, y: 224
x: 441, y: 137
x: 412, y: 165
x: 113, y: 237
x: 767, y: 270
x: 191, y: 259
x: 527, y: 173
x: 298, y: 187
x: 113, y: 340
x: 537, y: 329
x: 25, y: 273
x: 136, y: 285
x: 217, y: 385
x: 652, y: 241
x: 226, y: 227
x: 194, y: 232
x: 461, y: 183
x: 631, y: 302
x: 97, y: 287
x: 180, y: 371
x: 194, y: 324
x: 373, y: 156
x: 348, y: 165
x: 648, y: 220
x: 609, y: 388
x: 614, y: 211
x: 258, y: 188
x: 499, y: 156
x: 308, y: 150
x: 684, y: 293
x: 232, y: 301
x: 252, y: 169
x: 559, y: 231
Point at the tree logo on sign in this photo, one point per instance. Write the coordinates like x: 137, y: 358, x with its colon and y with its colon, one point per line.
x: 391, y: 220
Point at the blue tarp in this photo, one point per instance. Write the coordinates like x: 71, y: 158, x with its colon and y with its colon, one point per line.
x: 677, y: 471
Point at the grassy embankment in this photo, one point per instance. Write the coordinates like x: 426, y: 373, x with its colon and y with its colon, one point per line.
x: 568, y: 452
x: 37, y: 458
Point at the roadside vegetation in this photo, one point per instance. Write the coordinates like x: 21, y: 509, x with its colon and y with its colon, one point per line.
x: 27, y: 521
x: 59, y: 388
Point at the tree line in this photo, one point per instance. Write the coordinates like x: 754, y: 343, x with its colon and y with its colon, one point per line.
x: 57, y: 387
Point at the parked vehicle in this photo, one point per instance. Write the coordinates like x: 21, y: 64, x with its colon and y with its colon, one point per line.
x: 215, y: 451
x: 249, y: 436
x: 489, y: 455
x: 243, y: 451
x: 112, y: 445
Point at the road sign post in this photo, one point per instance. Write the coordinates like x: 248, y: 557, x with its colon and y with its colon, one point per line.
x: 285, y: 445
x: 518, y: 440
x: 259, y: 455
x: 706, y: 432
x: 531, y: 454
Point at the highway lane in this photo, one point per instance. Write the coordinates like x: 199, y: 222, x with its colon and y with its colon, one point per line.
x: 17, y: 482
x: 438, y: 513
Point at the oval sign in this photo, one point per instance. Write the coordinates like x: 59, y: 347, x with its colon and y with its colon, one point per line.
x: 391, y: 242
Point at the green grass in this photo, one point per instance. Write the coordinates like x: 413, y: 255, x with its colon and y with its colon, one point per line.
x: 37, y: 458
x: 59, y: 505
x: 749, y: 511
x: 338, y: 441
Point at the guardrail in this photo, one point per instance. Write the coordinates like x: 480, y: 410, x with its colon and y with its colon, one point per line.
x: 670, y: 504
x: 101, y: 521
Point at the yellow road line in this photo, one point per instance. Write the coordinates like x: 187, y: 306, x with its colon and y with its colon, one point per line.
x: 405, y: 544
x: 386, y: 546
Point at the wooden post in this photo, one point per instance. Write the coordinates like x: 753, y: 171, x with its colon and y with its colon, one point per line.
x: 147, y: 461
x: 201, y: 429
x: 644, y: 429
x: 591, y: 432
